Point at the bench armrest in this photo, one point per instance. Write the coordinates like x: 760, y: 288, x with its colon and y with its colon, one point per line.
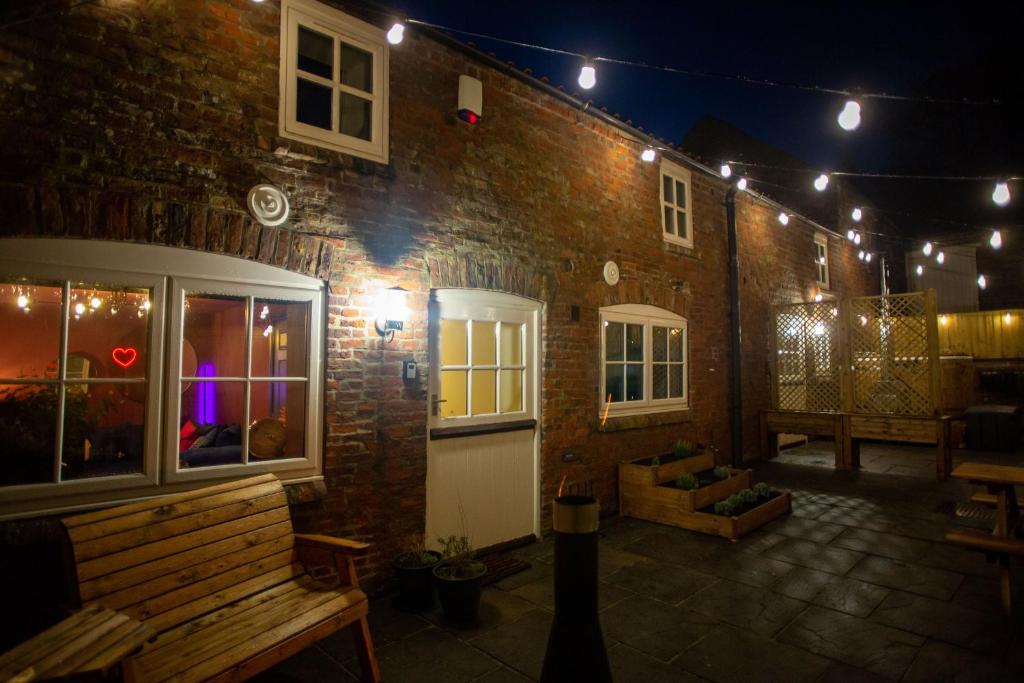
x: 333, y: 543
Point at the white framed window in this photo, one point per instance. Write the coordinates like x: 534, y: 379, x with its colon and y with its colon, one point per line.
x: 333, y: 80
x: 676, y: 212
x: 821, y: 259
x: 644, y: 360
x: 128, y: 369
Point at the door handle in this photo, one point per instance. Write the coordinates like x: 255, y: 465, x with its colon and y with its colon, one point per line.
x: 434, y: 400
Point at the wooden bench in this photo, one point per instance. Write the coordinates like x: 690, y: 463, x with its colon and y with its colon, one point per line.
x: 221, y: 578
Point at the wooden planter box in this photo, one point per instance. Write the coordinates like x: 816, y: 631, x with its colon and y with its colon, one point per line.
x: 651, y: 475
x: 638, y: 497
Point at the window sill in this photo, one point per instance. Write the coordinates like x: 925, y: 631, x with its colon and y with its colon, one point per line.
x: 624, y: 422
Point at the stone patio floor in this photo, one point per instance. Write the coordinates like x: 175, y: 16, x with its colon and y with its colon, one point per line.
x: 855, y: 585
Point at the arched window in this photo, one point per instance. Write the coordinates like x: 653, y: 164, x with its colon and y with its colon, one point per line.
x: 128, y: 368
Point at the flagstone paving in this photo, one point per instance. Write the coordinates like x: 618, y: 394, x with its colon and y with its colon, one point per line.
x: 855, y: 585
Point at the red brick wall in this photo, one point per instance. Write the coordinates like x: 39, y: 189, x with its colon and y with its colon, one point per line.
x: 150, y: 122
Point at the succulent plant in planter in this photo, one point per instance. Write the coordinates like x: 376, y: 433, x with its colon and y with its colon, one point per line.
x: 458, y: 579
x: 683, y: 449
x: 414, y: 572
x: 763, y: 491
x: 655, y: 461
x: 724, y: 508
x: 687, y: 482
x: 748, y: 497
x: 722, y: 472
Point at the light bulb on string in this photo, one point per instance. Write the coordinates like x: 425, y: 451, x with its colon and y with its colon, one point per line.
x: 784, y: 218
x: 726, y: 170
x: 996, y: 240
x: 1001, y: 194
x: 396, y: 33
x: 919, y: 270
x: 741, y: 184
x: 267, y: 330
x: 982, y: 282
x: 588, y: 76
x: 940, y: 258
x: 648, y: 155
x: 95, y: 302
x: 1006, y: 318
x: 849, y: 117
x: 867, y: 257
x: 818, y: 297
x: 927, y: 249
x: 860, y: 254
x: 850, y: 234
x: 857, y: 214
x: 856, y: 238
x: 821, y: 182
x: 22, y: 301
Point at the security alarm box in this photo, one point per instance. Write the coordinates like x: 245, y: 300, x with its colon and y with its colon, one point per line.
x: 471, y: 99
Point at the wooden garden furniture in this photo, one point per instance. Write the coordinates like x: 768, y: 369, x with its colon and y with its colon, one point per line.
x: 222, y: 580
x: 1005, y: 539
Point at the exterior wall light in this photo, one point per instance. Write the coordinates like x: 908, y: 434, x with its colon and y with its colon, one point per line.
x: 391, y: 312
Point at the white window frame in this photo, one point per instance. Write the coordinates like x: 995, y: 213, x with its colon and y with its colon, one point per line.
x: 649, y: 317
x: 682, y: 175
x: 341, y: 27
x: 168, y: 272
x: 822, y: 266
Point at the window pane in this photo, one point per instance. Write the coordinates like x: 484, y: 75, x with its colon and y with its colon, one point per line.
x: 356, y: 116
x: 484, y: 339
x: 356, y: 68
x: 28, y: 425
x: 659, y: 342
x: 30, y: 320
x: 453, y: 393
x: 211, y: 423
x: 316, y: 53
x: 511, y: 391
x: 680, y: 194
x: 634, y: 382
x: 681, y: 228
x: 454, y: 343
x: 103, y: 430
x: 666, y: 185
x: 313, y: 104
x: 108, y: 332
x: 634, y: 342
x: 675, y: 343
x: 511, y: 344
x: 277, y: 415
x: 660, y: 381
x: 214, y: 336
x: 484, y: 386
x: 675, y: 381
x: 614, y: 335
x: 613, y: 382
x: 280, y: 331
x: 670, y: 225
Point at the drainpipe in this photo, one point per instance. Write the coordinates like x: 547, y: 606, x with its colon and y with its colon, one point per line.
x: 735, y: 374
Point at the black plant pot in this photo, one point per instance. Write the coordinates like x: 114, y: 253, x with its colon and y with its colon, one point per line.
x: 460, y: 597
x: 415, y: 583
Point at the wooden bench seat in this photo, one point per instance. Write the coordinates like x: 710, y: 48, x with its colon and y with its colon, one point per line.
x: 221, y: 578
x: 985, y: 499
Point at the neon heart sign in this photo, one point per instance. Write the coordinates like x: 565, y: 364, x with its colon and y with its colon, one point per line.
x: 125, y: 357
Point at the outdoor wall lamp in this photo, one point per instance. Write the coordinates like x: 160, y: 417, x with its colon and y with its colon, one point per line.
x: 391, y: 312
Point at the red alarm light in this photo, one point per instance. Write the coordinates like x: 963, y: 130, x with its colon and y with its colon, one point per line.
x: 469, y: 116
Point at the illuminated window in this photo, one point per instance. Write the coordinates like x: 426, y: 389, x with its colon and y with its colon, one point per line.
x: 644, y: 365
x: 821, y: 259
x: 334, y: 80
x: 676, y: 211
x: 124, y: 367
x: 482, y: 368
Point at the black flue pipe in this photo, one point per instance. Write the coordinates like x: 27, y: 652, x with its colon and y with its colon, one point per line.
x: 576, y: 649
x: 735, y: 334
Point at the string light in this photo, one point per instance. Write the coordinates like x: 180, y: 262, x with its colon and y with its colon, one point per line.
x: 860, y: 254
x: 1001, y: 194
x: 867, y: 257
x: 982, y: 281
x: 588, y: 76
x: 940, y: 257
x: 927, y: 249
x: 1006, y: 318
x: 784, y: 218
x: 396, y: 33
x: 648, y: 155
x: 857, y: 214
x: 741, y: 183
x: 821, y: 182
x: 726, y: 170
x: 944, y: 319
x: 850, y: 234
x: 95, y: 302
x: 79, y: 308
x: 919, y: 270
x: 22, y: 301
x: 856, y: 238
x: 996, y: 240
x: 267, y: 330
x: 863, y: 321
x: 849, y: 117
x: 817, y: 298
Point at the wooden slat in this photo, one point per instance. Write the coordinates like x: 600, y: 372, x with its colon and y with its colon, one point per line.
x: 198, y: 590
x: 21, y: 656
x: 131, y: 576
x: 990, y: 474
x: 984, y: 499
x: 181, y: 614
x: 163, y: 501
x: 107, y: 651
x: 342, y: 609
x: 82, y: 638
x: 264, y: 498
x: 982, y: 540
x: 83, y: 534
x: 152, y: 551
x: 203, y: 569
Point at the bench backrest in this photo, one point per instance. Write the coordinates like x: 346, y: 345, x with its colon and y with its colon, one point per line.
x: 171, y: 559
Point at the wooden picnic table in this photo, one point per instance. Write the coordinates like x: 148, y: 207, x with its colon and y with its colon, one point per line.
x: 1005, y: 539
x: 91, y: 641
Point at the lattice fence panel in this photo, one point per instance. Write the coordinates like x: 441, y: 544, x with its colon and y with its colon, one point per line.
x: 808, y: 357
x: 889, y: 355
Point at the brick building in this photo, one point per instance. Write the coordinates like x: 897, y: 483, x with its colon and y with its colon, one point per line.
x: 132, y: 135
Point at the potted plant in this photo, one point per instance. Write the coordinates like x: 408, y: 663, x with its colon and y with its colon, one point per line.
x: 458, y: 579
x: 414, y: 572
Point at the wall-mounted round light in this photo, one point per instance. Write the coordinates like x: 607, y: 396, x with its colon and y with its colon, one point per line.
x: 391, y: 312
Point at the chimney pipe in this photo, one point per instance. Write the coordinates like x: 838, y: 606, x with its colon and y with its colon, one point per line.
x: 576, y: 649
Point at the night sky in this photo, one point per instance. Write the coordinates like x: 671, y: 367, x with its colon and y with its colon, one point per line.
x: 941, y: 49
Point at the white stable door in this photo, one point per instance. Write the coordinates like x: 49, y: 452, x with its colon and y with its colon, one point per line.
x: 482, y: 460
